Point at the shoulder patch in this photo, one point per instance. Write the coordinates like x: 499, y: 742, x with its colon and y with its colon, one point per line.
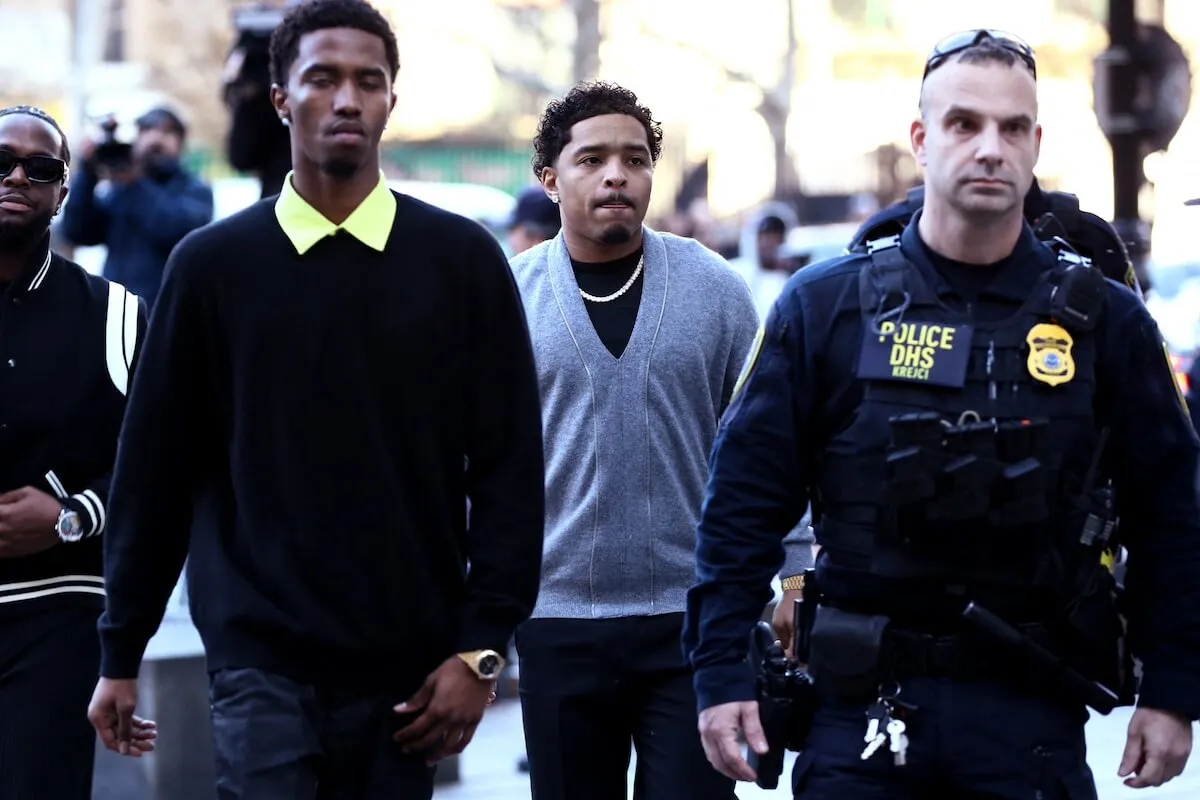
x: 120, y: 334
x: 751, y: 359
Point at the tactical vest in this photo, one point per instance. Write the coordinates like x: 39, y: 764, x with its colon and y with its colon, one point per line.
x: 973, y: 438
x: 1055, y: 217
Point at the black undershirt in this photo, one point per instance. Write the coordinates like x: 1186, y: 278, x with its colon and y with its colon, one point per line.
x: 613, y: 321
x: 967, y: 280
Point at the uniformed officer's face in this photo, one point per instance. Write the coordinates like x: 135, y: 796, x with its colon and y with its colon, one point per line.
x: 27, y: 206
x: 603, y: 178
x: 978, y: 138
x: 337, y: 100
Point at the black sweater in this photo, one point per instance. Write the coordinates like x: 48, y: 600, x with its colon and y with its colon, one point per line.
x: 298, y: 429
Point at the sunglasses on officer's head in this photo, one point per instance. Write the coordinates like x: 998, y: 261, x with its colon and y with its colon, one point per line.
x: 38, y: 169
x: 964, y: 40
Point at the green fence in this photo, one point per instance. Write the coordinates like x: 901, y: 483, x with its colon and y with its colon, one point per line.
x: 503, y: 167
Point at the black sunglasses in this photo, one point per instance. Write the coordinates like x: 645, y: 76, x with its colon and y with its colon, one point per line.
x: 957, y: 42
x: 38, y: 169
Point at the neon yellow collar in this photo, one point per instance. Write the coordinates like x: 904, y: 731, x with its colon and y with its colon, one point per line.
x: 370, y: 223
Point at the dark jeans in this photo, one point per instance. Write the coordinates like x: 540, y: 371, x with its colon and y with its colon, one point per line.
x: 970, y: 740
x: 49, y: 663
x: 590, y: 689
x: 276, y: 739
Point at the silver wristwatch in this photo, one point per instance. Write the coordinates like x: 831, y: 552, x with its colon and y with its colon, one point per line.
x: 69, y: 526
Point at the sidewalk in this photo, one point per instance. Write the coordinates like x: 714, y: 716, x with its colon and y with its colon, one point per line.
x: 489, y: 766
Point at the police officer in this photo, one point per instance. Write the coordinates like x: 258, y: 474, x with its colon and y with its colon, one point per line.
x: 961, y: 408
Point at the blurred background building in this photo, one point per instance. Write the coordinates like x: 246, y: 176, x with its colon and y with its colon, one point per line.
x: 804, y: 100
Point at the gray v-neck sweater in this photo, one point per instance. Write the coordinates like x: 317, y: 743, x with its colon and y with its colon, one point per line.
x: 627, y: 439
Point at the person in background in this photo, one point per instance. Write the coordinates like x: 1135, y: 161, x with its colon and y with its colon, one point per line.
x: 535, y: 219
x: 759, y: 260
x: 138, y: 201
x: 257, y: 142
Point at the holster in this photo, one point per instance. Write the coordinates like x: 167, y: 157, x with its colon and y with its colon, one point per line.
x: 847, y: 653
x: 1092, y: 638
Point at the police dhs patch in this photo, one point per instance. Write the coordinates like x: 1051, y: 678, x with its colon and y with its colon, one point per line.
x: 916, y: 351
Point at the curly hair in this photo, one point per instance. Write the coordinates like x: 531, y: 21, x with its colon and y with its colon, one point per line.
x: 584, y: 101
x: 320, y: 15
x: 37, y: 113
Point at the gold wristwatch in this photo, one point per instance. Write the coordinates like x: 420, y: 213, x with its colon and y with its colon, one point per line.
x: 793, y: 583
x: 487, y: 664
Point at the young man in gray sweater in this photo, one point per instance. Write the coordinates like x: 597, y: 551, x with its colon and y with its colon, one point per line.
x: 639, y: 338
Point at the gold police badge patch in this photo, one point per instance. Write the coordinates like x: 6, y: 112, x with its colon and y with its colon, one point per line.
x: 1050, y: 354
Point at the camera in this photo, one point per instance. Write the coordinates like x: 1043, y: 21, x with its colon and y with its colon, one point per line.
x: 253, y: 27
x: 111, y: 152
x: 259, y: 21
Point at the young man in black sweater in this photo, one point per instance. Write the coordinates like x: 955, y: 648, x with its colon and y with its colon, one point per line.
x: 318, y: 369
x: 67, y: 344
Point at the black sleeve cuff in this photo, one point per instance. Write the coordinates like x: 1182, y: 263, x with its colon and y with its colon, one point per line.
x: 481, y: 633
x: 120, y: 658
x: 1177, y: 691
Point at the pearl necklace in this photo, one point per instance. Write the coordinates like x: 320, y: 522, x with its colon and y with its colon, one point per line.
x: 628, y: 284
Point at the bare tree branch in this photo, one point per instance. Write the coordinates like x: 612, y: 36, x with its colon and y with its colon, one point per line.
x: 506, y: 72
x: 585, y: 54
x: 731, y: 73
x: 775, y: 103
x: 523, y: 78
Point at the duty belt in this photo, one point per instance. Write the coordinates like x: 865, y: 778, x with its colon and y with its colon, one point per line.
x: 914, y: 654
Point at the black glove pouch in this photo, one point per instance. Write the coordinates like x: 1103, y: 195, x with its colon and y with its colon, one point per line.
x: 1093, y: 641
x: 846, y: 653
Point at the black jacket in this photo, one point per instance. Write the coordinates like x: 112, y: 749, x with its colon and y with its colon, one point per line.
x: 802, y: 389
x: 67, y: 346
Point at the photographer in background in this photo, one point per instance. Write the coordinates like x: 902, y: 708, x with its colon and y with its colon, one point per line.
x: 137, y: 200
x: 257, y: 143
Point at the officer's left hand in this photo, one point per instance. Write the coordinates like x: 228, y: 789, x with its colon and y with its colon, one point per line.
x: 27, y: 520
x: 1156, y: 749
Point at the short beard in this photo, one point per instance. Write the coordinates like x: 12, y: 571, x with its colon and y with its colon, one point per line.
x: 616, y: 234
x: 19, y: 236
x: 340, y: 169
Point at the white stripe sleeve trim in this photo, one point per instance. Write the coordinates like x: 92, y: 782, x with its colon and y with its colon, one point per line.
x: 129, y: 344
x: 94, y: 508
x: 89, y: 579
x: 114, y: 338
x: 13, y: 598
x: 60, y: 491
x: 95, y: 498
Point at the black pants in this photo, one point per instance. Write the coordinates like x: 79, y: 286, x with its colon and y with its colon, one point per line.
x: 276, y: 739
x: 590, y: 689
x: 49, y: 662
x: 968, y: 739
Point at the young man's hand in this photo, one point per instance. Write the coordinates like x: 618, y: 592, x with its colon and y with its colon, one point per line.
x: 450, y: 703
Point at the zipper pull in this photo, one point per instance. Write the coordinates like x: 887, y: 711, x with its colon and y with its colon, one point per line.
x: 991, y: 362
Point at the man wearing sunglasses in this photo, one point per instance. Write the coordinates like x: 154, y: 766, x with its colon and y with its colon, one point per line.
x: 969, y: 413
x: 67, y: 344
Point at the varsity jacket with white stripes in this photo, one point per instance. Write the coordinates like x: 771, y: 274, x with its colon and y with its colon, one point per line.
x: 67, y: 345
